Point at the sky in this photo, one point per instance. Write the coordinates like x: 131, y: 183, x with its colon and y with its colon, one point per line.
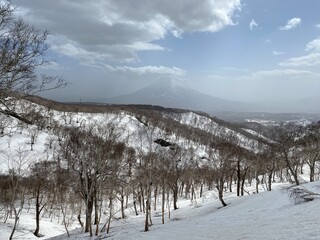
x: 245, y: 50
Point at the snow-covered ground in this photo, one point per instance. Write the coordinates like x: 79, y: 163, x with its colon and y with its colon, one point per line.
x: 267, y: 215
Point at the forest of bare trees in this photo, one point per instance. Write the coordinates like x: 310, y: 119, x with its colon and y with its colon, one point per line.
x: 95, y: 175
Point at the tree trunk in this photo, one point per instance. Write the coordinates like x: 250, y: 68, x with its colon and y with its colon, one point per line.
x: 257, y: 182
x: 99, y: 218
x: 163, y: 200
x: 175, y: 197
x: 16, y: 220
x: 122, y: 208
x: 220, y: 186
x: 110, y: 215
x: 79, y: 218
x: 291, y: 170
x: 242, y: 185
x: 155, y: 198
x: 168, y: 204
x: 36, y: 232
x: 122, y: 203
x: 230, y: 183
x: 96, y: 209
x: 192, y: 192
x: 238, y: 177
x: 140, y: 204
x: 64, y: 219
x: 146, y: 223
x: 311, y: 172
x: 269, y: 181
x: 243, y: 180
x: 142, y: 198
x: 296, y: 180
x: 135, y: 207
x: 89, y: 209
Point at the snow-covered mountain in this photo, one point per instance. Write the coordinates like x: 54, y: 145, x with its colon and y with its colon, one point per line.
x: 174, y: 93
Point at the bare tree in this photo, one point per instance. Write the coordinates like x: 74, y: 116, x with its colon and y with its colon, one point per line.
x: 22, y: 52
x: 5, y: 125
x: 13, y: 186
x: 174, y: 174
x: 287, y: 137
x: 67, y: 199
x: 220, y: 162
x: 33, y: 134
x: 42, y: 183
x: 97, y: 162
x: 310, y: 147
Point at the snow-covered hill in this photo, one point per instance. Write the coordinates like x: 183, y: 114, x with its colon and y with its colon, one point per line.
x: 137, y: 126
x: 143, y: 128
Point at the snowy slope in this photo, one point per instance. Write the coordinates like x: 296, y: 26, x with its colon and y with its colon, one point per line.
x: 267, y: 215
x: 207, y: 124
x: 245, y: 218
x: 130, y: 129
x: 16, y: 150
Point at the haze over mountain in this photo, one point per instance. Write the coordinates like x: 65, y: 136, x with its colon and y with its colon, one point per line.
x: 174, y: 93
x: 171, y: 92
x: 310, y: 105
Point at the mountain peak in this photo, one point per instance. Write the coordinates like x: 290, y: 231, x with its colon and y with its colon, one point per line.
x: 167, y: 83
x: 172, y: 92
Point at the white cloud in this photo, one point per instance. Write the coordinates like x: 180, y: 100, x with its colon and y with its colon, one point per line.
x: 312, y: 59
x: 116, y: 30
x: 291, y: 24
x: 159, y: 70
x: 317, y: 26
x: 314, y: 45
x: 280, y: 73
x: 100, y: 54
x: 52, y: 66
x: 253, y: 24
x: 72, y: 49
x: 276, y: 53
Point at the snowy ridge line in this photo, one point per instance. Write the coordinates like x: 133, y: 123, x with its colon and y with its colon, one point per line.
x: 246, y: 139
